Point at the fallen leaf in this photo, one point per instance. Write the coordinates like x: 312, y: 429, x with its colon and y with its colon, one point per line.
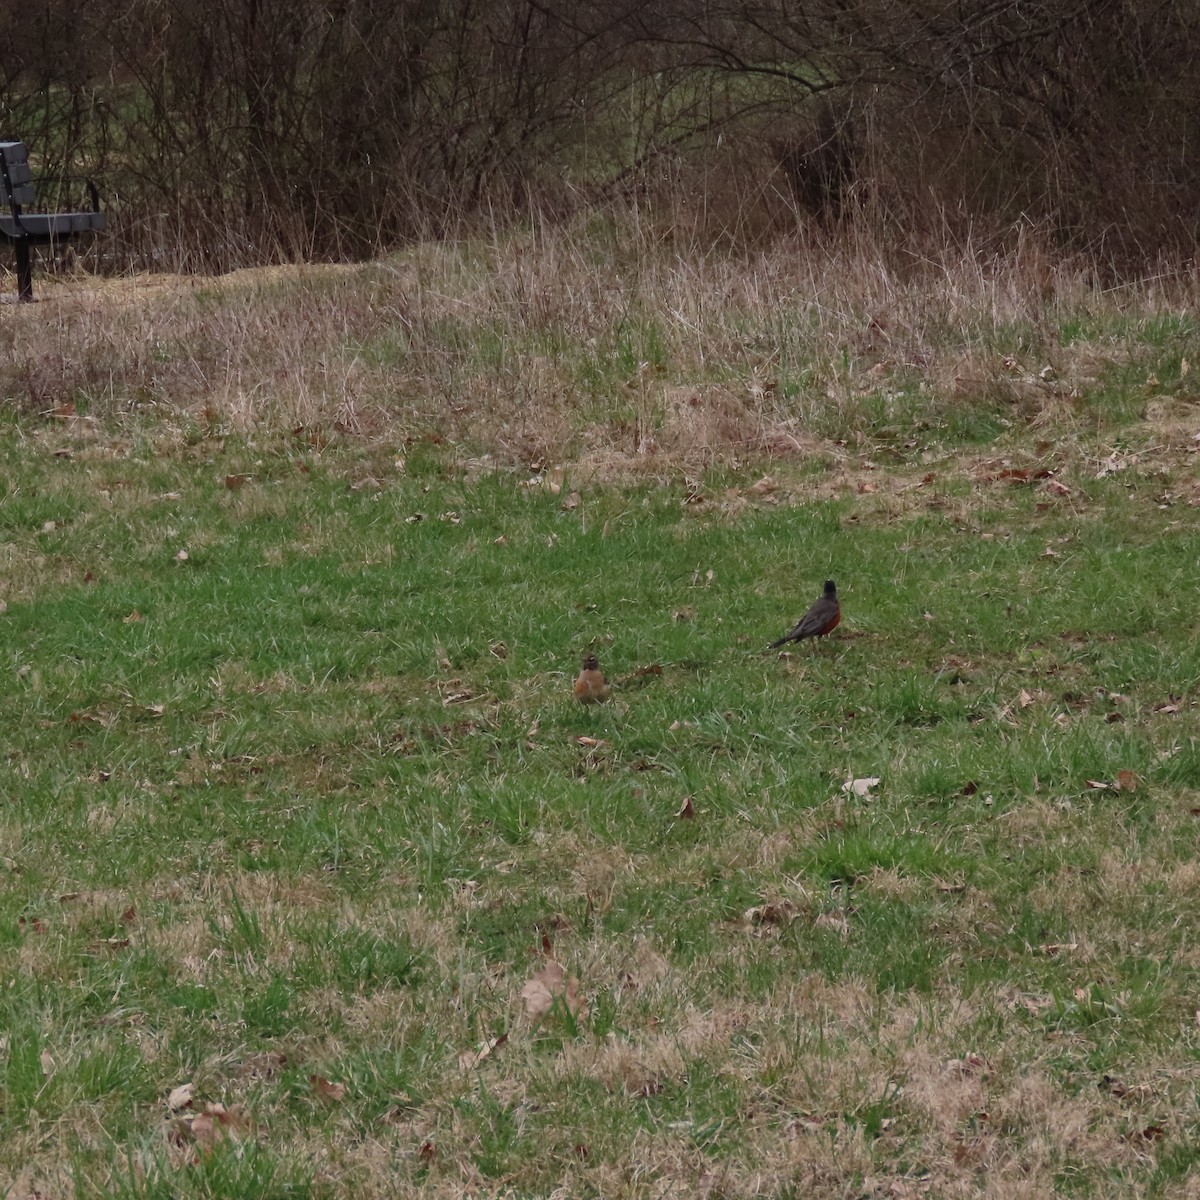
x: 585, y: 740
x: 686, y: 811
x: 49, y: 526
x: 180, y: 1097
x: 182, y: 556
x: 234, y: 482
x: 1053, y: 948
x: 861, y: 787
x: 133, y: 618
x: 427, y: 1153
x: 501, y: 541
x: 550, y: 987
x: 1113, y: 463
x: 764, y: 487
x: 1057, y: 489
x: 1096, y: 784
x: 459, y: 697
x: 215, y: 1124
x: 571, y: 501
x: 327, y: 1090
x: 1127, y: 781
x: 779, y: 913
x: 468, y: 1060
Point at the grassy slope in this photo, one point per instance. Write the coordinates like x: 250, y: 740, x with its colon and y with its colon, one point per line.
x: 307, y: 808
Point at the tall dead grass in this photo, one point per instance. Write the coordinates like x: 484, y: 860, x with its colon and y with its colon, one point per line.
x: 624, y: 337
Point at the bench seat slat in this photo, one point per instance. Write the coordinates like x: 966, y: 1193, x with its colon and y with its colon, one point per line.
x: 14, y: 152
x: 49, y: 227
x: 24, y: 195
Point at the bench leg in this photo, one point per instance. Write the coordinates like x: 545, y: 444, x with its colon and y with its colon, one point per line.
x: 24, y: 273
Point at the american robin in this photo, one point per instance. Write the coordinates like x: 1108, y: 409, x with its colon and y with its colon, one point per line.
x: 821, y: 618
x: 591, y: 687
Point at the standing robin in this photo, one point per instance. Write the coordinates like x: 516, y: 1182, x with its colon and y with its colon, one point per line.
x: 591, y: 687
x: 821, y: 618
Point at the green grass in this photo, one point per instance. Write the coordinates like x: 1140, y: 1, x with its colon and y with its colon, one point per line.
x: 294, y: 790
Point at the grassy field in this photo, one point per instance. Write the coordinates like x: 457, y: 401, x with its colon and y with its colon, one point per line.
x: 297, y: 809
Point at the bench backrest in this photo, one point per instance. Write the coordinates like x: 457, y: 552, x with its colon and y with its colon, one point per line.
x: 18, y: 179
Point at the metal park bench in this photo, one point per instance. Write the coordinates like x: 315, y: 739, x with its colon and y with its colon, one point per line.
x: 25, y: 229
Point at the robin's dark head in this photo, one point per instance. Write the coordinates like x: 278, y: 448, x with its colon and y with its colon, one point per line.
x: 591, y: 662
x: 830, y: 589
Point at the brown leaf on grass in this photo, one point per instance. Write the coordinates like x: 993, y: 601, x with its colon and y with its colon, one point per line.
x: 686, y: 810
x: 427, y: 1153
x: 861, y: 787
x: 550, y: 987
x: 1127, y: 781
x: 181, y: 1097
x: 1168, y: 708
x: 1096, y: 785
x: 764, y: 487
x: 778, y: 913
x: 182, y: 556
x: 458, y: 697
x: 468, y: 1060
x: 234, y: 482
x: 652, y: 669
x: 570, y: 502
x: 684, y: 614
x: 326, y: 1090
x: 592, y: 743
x: 133, y: 618
x: 211, y: 1127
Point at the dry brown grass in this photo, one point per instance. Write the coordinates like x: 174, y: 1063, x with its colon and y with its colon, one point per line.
x: 595, y: 343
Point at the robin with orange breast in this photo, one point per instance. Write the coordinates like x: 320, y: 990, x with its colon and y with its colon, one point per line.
x: 821, y: 618
x: 591, y: 687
